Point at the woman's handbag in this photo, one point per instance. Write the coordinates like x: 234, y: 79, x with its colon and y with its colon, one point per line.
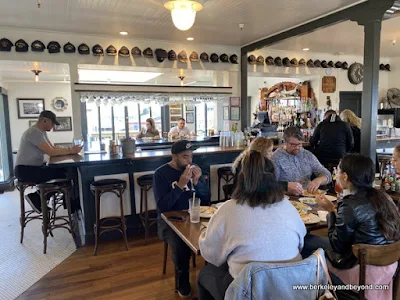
x: 327, y: 295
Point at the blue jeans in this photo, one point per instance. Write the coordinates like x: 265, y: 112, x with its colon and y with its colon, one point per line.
x: 312, y: 243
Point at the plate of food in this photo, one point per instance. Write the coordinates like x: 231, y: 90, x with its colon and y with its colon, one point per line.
x: 300, y: 206
x: 207, y: 211
x: 310, y: 219
x: 308, y: 200
x: 331, y: 198
x: 318, y: 192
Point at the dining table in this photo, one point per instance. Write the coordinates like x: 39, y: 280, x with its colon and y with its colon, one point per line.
x: 179, y: 222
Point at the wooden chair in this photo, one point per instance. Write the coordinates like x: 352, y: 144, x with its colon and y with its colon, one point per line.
x: 378, y: 255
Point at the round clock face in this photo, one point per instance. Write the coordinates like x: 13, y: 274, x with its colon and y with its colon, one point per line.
x: 356, y: 73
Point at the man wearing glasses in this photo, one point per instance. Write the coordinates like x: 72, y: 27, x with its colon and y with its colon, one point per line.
x: 296, y: 165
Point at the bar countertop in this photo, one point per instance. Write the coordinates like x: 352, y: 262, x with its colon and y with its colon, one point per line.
x: 103, y: 158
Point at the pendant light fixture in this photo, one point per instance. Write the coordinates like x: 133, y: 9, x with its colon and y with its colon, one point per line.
x: 183, y: 12
x: 36, y: 72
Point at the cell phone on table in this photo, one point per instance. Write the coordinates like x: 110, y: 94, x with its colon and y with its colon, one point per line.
x: 177, y: 218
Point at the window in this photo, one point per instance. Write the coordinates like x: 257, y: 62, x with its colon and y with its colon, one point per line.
x: 112, y: 122
x: 145, y: 113
x: 133, y: 115
x: 119, y: 121
x: 156, y: 115
x: 201, y: 119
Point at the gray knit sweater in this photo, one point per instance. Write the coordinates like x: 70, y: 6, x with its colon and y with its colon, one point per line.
x: 239, y: 234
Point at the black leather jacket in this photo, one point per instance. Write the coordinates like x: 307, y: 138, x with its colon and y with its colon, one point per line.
x: 355, y: 223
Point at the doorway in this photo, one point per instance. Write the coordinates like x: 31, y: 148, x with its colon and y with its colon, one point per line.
x: 352, y: 101
x: 6, y: 161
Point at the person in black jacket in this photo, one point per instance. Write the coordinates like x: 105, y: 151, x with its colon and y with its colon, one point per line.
x: 355, y: 123
x: 365, y: 216
x: 332, y: 139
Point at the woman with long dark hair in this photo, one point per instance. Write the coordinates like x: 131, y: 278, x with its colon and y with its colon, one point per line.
x: 364, y: 216
x: 258, y: 224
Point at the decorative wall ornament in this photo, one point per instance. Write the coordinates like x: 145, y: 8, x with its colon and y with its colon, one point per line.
x: 356, y: 73
x: 59, y: 104
x: 329, y: 84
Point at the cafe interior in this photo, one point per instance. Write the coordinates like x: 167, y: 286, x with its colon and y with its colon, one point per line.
x: 134, y: 85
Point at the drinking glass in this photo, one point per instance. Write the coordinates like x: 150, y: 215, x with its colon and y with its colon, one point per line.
x: 338, y: 189
x: 194, y: 210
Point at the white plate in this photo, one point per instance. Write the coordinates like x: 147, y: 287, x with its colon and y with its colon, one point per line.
x: 311, y: 219
x: 331, y: 198
x: 207, y: 211
x: 308, y: 195
x: 308, y: 200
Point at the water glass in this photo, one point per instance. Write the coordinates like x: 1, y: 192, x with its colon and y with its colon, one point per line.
x: 194, y: 210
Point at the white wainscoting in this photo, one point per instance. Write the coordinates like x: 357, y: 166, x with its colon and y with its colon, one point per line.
x: 109, y: 203
x: 151, y: 203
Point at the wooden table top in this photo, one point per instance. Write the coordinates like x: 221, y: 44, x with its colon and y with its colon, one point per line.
x: 190, y: 232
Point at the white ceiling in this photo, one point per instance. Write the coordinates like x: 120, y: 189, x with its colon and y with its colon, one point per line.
x: 217, y: 23
x: 20, y: 71
x: 346, y: 38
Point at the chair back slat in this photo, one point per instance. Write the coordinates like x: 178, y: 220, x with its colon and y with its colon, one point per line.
x: 379, y: 255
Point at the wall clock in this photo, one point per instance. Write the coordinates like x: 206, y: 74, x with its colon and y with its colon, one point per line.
x: 356, y: 73
x: 60, y: 104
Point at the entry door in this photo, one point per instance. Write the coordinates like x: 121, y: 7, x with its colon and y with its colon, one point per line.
x: 352, y: 101
x: 6, y: 163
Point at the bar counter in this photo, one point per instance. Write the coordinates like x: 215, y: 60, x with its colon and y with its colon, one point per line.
x: 86, y: 168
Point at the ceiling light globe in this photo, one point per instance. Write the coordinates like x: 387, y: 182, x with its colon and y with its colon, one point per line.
x: 183, y: 12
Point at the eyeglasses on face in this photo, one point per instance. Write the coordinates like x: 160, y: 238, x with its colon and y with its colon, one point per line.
x: 295, y: 145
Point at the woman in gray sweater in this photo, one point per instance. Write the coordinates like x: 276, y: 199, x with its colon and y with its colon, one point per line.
x: 258, y: 224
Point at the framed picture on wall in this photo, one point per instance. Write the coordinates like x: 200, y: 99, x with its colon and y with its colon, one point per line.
x: 189, y: 107
x: 226, y: 113
x: 29, y: 108
x: 65, y: 124
x: 190, y: 117
x: 234, y: 101
x: 32, y: 122
x: 235, y: 113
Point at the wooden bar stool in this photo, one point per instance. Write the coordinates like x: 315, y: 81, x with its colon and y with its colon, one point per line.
x: 98, y: 188
x: 46, y: 189
x: 147, y: 217
x: 226, y: 174
x: 26, y: 215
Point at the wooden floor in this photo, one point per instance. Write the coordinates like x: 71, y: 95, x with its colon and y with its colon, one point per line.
x: 113, y: 274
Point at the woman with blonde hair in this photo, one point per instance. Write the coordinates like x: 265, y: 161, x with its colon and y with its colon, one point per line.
x: 150, y: 130
x: 265, y: 147
x: 355, y: 123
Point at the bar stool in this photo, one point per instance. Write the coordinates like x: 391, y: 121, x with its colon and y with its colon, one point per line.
x: 147, y: 217
x: 54, y: 187
x: 98, y: 188
x: 226, y: 174
x: 26, y: 215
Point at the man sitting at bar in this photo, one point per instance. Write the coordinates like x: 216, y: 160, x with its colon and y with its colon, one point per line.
x: 180, y: 130
x: 295, y: 164
x: 174, y: 184
x: 29, y: 166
